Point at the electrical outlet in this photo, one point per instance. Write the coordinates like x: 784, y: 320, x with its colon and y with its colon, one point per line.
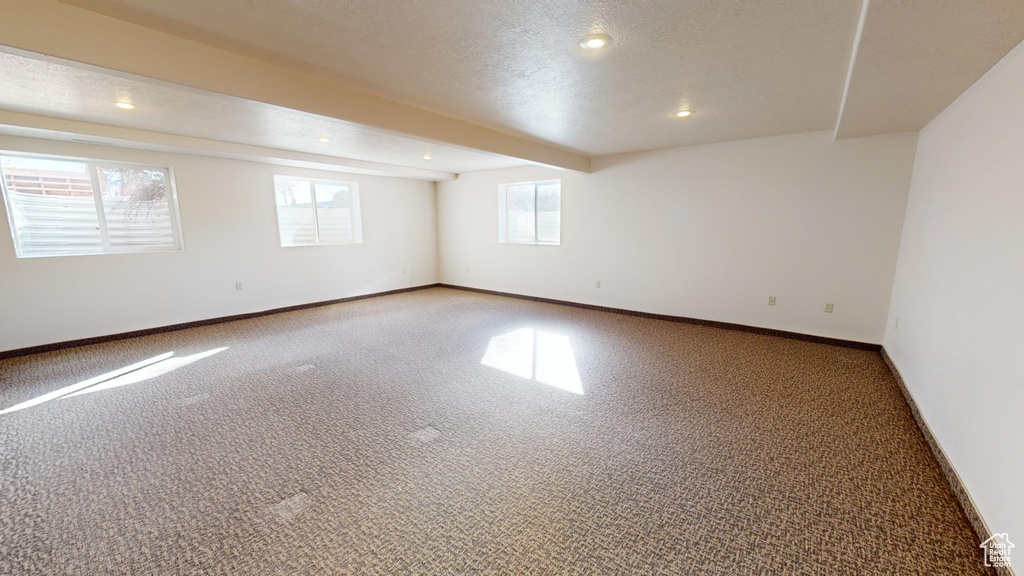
x: 467, y: 269
x: 771, y: 300
x: 828, y: 307
x: 403, y: 270
x: 897, y: 322
x: 597, y: 284
x: 238, y: 285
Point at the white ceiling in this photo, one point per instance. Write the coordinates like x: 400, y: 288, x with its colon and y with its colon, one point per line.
x: 748, y: 69
x: 914, y: 58
x: 75, y: 92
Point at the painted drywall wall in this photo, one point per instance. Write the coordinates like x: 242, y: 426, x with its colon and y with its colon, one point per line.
x: 958, y: 290
x: 706, y: 232
x: 229, y: 223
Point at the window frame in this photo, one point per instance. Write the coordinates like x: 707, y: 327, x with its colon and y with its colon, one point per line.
x: 357, y: 223
x: 503, y: 212
x: 92, y: 164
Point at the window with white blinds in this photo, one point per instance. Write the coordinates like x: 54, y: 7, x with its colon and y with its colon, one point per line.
x: 63, y: 206
x: 530, y: 212
x: 314, y: 212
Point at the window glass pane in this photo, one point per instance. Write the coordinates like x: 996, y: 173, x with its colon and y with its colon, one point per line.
x: 334, y: 213
x: 549, y: 213
x: 521, y: 213
x: 315, y: 212
x: 51, y: 206
x: 295, y: 211
x: 136, y: 208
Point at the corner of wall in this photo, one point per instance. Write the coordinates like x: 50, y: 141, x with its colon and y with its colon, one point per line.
x: 952, y: 476
x: 438, y: 262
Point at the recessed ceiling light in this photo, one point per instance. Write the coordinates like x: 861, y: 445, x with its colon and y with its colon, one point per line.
x: 426, y: 156
x: 325, y: 139
x: 595, y: 41
x: 125, y: 105
x: 683, y: 113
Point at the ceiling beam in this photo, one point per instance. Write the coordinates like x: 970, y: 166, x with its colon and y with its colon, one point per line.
x: 849, y: 70
x: 911, y: 60
x: 33, y: 126
x: 55, y: 29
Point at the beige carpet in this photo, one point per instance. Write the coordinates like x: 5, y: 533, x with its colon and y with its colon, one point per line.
x: 444, y: 432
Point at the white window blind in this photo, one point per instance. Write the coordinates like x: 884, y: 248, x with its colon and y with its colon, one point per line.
x: 312, y: 212
x: 59, y: 206
x: 530, y: 212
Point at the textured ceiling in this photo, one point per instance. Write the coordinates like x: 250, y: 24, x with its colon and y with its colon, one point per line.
x: 748, y: 69
x: 49, y: 88
x: 915, y: 57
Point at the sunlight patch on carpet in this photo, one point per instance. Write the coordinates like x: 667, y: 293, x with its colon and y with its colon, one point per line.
x: 535, y: 355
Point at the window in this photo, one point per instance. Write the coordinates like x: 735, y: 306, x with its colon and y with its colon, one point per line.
x: 530, y: 212
x: 333, y: 218
x: 61, y: 206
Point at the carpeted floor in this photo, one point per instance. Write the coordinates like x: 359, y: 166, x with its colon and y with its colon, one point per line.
x: 444, y: 432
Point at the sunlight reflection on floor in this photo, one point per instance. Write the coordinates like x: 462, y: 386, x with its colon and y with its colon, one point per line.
x: 536, y: 355
x: 151, y: 371
x: 131, y: 374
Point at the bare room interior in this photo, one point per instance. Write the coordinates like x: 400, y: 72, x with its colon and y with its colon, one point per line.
x: 460, y: 287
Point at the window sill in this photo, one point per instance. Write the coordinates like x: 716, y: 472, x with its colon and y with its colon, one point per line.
x: 110, y: 253
x: 319, y: 244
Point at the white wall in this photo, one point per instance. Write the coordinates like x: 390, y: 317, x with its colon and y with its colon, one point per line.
x: 959, y: 290
x: 706, y: 232
x: 229, y: 223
